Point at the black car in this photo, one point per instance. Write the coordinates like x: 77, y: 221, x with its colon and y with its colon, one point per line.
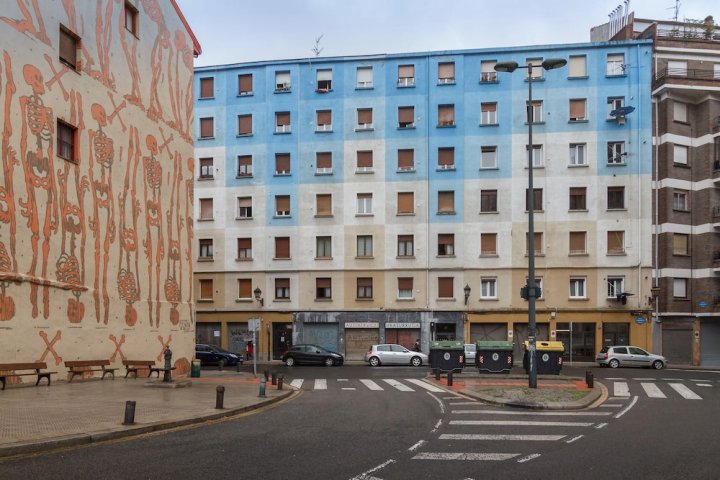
x: 311, y: 354
x: 212, y: 355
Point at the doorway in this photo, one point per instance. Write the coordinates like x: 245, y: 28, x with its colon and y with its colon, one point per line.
x: 282, y: 339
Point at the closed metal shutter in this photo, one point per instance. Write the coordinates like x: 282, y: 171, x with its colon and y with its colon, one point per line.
x: 710, y: 344
x: 323, y: 334
x: 358, y: 342
x: 677, y: 345
x: 402, y: 336
x: 488, y: 331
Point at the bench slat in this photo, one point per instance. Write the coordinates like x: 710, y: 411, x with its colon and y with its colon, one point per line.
x: 86, y: 363
x: 22, y: 366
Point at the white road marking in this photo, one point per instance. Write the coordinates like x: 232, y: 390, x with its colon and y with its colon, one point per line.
x: 704, y: 384
x: 528, y: 458
x: 520, y: 423
x: 364, y: 475
x: 425, y: 385
x: 297, y: 383
x: 454, y: 397
x: 614, y: 378
x: 400, y: 386
x: 463, y: 403
x: 416, y: 446
x: 437, y: 425
x: 349, y: 388
x: 464, y: 456
x: 643, y: 379
x: 621, y: 389
x: 521, y: 438
x: 697, y: 380
x: 442, y: 405
x: 627, y: 409
x: 320, y: 384
x: 617, y: 398
x: 574, y: 439
x: 548, y: 413
x: 652, y: 390
x: 370, y: 384
x: 601, y: 425
x: 672, y: 379
x: 684, y: 391
x: 611, y: 405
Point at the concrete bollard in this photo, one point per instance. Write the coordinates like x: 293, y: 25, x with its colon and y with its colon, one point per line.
x: 262, y: 388
x: 280, y: 381
x: 274, y: 378
x: 589, y: 379
x: 266, y: 372
x: 450, y: 378
x: 219, y: 396
x: 129, y: 413
x: 437, y: 373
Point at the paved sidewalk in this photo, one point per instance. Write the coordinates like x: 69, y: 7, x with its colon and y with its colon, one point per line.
x: 40, y: 418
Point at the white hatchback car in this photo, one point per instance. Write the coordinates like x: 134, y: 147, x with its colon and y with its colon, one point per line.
x: 393, y: 354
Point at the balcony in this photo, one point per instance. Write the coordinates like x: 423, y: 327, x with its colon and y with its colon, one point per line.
x: 716, y: 171
x: 687, y: 79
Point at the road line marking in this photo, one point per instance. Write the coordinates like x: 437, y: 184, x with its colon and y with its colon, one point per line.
x: 511, y: 412
x: 520, y: 438
x: 574, y: 439
x: 627, y: 409
x: 416, y: 446
x: 370, y: 384
x: 684, y: 391
x: 621, y: 389
x: 698, y: 380
x: 454, y: 397
x: 297, y: 383
x: 520, y: 423
x: 611, y: 405
x: 463, y: 403
x: 364, y: 475
x: 643, y: 379
x: 652, y: 390
x: 437, y: 425
x: 672, y: 379
x: 704, y: 384
x: 442, y: 405
x: 601, y: 425
x: 614, y: 378
x: 617, y: 398
x: 528, y: 457
x: 349, y: 388
x: 320, y: 384
x: 425, y: 385
x: 464, y: 456
x: 400, y: 386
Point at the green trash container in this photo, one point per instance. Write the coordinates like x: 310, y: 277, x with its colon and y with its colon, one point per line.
x: 447, y: 355
x: 548, y: 356
x: 195, y: 368
x: 494, y: 356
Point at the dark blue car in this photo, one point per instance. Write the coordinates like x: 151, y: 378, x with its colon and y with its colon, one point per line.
x: 212, y: 355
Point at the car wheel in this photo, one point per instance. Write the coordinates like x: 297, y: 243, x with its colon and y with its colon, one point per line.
x: 613, y: 363
x: 657, y: 365
x: 221, y: 363
x: 289, y: 361
x: 374, y: 361
x: 329, y: 362
x: 416, y: 361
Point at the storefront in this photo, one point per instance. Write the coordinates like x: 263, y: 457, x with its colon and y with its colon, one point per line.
x: 359, y: 336
x: 402, y: 333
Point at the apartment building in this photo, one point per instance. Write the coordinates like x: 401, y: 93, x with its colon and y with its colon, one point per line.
x: 383, y: 198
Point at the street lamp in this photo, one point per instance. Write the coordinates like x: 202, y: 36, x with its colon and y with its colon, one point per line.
x: 466, y: 290
x: 530, y: 291
x: 258, y: 296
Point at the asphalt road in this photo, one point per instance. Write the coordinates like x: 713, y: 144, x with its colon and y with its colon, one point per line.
x: 346, y: 428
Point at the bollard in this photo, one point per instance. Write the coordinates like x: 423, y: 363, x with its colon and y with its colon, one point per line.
x: 266, y: 372
x: 219, y: 397
x: 437, y: 373
x: 129, y: 412
x: 450, y: 380
x: 262, y: 388
x: 274, y: 378
x: 280, y: 381
x: 589, y: 380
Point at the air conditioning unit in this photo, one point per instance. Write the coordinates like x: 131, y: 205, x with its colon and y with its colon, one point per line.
x: 621, y: 119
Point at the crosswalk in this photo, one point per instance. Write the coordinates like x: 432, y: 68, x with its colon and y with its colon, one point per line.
x: 377, y: 385
x: 621, y: 389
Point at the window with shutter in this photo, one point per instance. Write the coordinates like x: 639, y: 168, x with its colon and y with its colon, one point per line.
x: 578, y: 198
x: 364, y: 77
x: 405, y: 287
x: 245, y: 288
x: 406, y: 76
x: 446, y: 244
x: 244, y: 207
x: 206, y: 168
x: 206, y: 209
x: 445, y: 287
x: 323, y: 288
x: 577, y: 109
x: 488, y: 113
x: 207, y: 87
x: 323, y: 162
x: 131, y: 19
x: 615, y: 198
x: 207, y: 127
x: 488, y: 201
x: 446, y: 202
x: 406, y: 246
x: 577, y: 66
x: 488, y: 244
x: 365, y: 161
x: 364, y: 119
x: 244, y: 124
x: 446, y: 115
x: 282, y: 289
x: 282, y: 205
x: 245, y: 84
x: 537, y: 243
x: 681, y: 244
x: 364, y: 287
x: 282, y: 247
x: 537, y: 200
x: 405, y: 203
x: 282, y: 122
x: 615, y: 242
x: 244, y: 166
x: 66, y: 141
x: 487, y: 71
x: 68, y: 46
x: 446, y: 158
x: 406, y: 117
x: 323, y: 122
x: 446, y: 73
x: 323, y: 204
x: 282, y: 163
x: 244, y: 248
x: 578, y: 243
x: 206, y: 289
x: 406, y: 160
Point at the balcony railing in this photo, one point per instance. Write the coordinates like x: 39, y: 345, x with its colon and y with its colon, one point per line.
x: 689, y: 73
x: 689, y: 33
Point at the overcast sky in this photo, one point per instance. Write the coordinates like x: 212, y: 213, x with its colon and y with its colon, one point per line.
x: 233, y: 31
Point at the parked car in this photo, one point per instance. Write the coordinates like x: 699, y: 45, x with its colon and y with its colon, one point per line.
x: 311, y: 354
x: 629, y: 356
x: 470, y: 350
x: 393, y: 354
x: 213, y: 355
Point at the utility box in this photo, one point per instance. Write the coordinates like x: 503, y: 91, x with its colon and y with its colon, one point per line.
x: 494, y: 356
x: 447, y: 355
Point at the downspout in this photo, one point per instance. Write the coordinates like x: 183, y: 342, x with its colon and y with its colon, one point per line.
x: 656, y: 219
x: 427, y: 185
x: 639, y: 179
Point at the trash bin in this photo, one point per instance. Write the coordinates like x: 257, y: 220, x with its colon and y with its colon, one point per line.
x: 448, y: 355
x: 494, y: 356
x: 195, y: 368
x: 548, y: 356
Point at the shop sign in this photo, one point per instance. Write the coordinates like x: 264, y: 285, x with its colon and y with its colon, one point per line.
x: 640, y: 320
x: 362, y: 324
x: 402, y: 325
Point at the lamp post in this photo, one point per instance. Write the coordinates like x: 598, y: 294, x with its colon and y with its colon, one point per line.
x: 531, y: 289
x: 258, y: 296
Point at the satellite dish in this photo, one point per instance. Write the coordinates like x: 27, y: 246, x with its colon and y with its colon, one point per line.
x: 622, y: 111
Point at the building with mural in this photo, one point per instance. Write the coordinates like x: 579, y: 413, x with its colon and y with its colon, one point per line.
x: 355, y: 200
x: 96, y: 230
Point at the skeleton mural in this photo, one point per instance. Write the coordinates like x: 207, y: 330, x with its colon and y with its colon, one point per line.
x: 153, y: 222
x: 173, y: 290
x: 8, y: 262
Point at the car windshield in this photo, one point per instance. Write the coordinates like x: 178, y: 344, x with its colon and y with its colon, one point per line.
x: 604, y: 349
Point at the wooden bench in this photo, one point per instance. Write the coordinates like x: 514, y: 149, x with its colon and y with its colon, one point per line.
x: 132, y: 366
x: 22, y: 369
x: 160, y: 369
x: 78, y: 367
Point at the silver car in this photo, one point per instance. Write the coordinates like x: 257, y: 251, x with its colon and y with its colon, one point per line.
x: 470, y: 350
x: 393, y: 354
x: 629, y: 356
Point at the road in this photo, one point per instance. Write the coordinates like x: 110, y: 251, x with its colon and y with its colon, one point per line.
x: 357, y: 422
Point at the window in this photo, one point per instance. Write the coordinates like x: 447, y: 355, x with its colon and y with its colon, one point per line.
x: 446, y: 244
x: 405, y: 287
x: 406, y: 117
x: 323, y: 288
x: 282, y: 82
x: 364, y: 161
x: 445, y: 287
x: 244, y: 248
x: 282, y: 164
x: 615, y: 65
x: 323, y: 162
x: 537, y: 199
x: 537, y: 243
x: 282, y: 248
x: 245, y: 84
x: 244, y: 207
x: 68, y: 47
x: 206, y: 249
x: 66, y: 141
x: 245, y: 166
x: 131, y: 19
x: 578, y: 243
x: 615, y: 286
x: 488, y: 288
x: 323, y: 122
x: 681, y: 244
x: 207, y: 127
x: 245, y: 125
x: 488, y: 157
x: 323, y: 205
x: 535, y: 67
x: 364, y: 77
x: 488, y: 113
x: 680, y: 289
x: 577, y: 109
x: 446, y: 158
x: 577, y: 154
x: 577, y: 67
x: 405, y: 203
x: 616, y: 242
x: 364, y: 203
x: 282, y: 205
x: 405, y: 245
x: 615, y: 198
x: 406, y: 160
x: 487, y: 71
x: 323, y: 247
x: 680, y: 154
x: 613, y: 103
x: 365, y: 287
x: 537, y: 156
x: 206, y: 168
x: 681, y: 200
x: 679, y: 112
x: 535, y: 111
x: 446, y: 202
x: 365, y: 246
x: 207, y: 87
x: 282, y: 289
x: 616, y: 153
x: 446, y: 73
x: 716, y: 71
x: 206, y: 289
x: 488, y: 201
x: 282, y: 122
x: 578, y: 196
x: 577, y: 287
x: 677, y: 68
x: 324, y: 80
x: 446, y: 115
x: 364, y: 119
x: 488, y: 244
x: 406, y: 75
x: 245, y: 288
x: 206, y: 209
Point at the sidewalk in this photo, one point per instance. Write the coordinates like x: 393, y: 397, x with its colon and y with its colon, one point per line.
x: 34, y: 419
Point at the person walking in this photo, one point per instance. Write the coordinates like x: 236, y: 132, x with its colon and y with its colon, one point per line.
x: 417, y: 345
x: 249, y: 350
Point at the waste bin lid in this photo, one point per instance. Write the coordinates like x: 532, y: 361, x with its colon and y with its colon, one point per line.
x: 494, y: 345
x: 543, y: 345
x: 447, y: 345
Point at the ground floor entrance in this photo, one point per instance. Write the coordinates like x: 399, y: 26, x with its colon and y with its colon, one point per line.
x: 358, y: 341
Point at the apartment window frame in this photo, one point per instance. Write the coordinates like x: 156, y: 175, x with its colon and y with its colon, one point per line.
x: 614, y: 103
x: 68, y: 45
x: 577, y: 199
x: 323, y: 120
x: 534, y: 67
x: 538, y: 155
x: 323, y: 163
x: 323, y: 205
x: 244, y: 211
x: 364, y: 161
x: 245, y: 291
x: 405, y: 203
x: 681, y: 155
x: 488, y: 288
x: 577, y: 243
x: 487, y: 71
x: 282, y: 206
x: 364, y: 246
x: 283, y: 81
x: 488, y: 157
x: 615, y: 242
x: 446, y: 115
x: 680, y: 288
x: 615, y: 286
x: 360, y: 79
x: 283, y: 122
x: 364, y: 204
x: 244, y: 248
x: 578, y: 288
x: 245, y: 90
x: 282, y: 245
x: 406, y: 160
x: 538, y: 243
x: 406, y: 246
x: 535, y: 112
x: 446, y: 202
x: 616, y: 152
x: 207, y: 168
x: 577, y: 66
x: 616, y: 197
x: 488, y: 244
x: 680, y: 244
x: 578, y: 155
x: 364, y: 117
x: 406, y: 117
x: 446, y: 158
x: 282, y: 289
x: 488, y: 201
x: 131, y: 19
x: 489, y: 114
x: 245, y: 125
x: 323, y: 247
x: 537, y: 200
x: 446, y: 245
x: 207, y: 212
x: 364, y: 288
x: 323, y: 80
x: 446, y: 288
x: 405, y: 288
x: 207, y: 128
x: 67, y: 141
x: 681, y: 200
x: 323, y: 288
x: 578, y: 110
x: 207, y: 88
x: 680, y: 112
x: 446, y: 73
x: 206, y: 290
x: 244, y: 166
x: 283, y: 164
x: 404, y: 79
x: 615, y: 65
x: 205, y: 249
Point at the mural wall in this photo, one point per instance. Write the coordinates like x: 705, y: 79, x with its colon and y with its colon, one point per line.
x: 95, y: 252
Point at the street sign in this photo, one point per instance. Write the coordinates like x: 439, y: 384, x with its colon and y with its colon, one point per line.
x: 640, y: 320
x: 702, y: 304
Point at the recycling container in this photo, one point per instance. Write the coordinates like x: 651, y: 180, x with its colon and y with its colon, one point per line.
x: 548, y: 356
x: 447, y: 355
x: 494, y: 356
